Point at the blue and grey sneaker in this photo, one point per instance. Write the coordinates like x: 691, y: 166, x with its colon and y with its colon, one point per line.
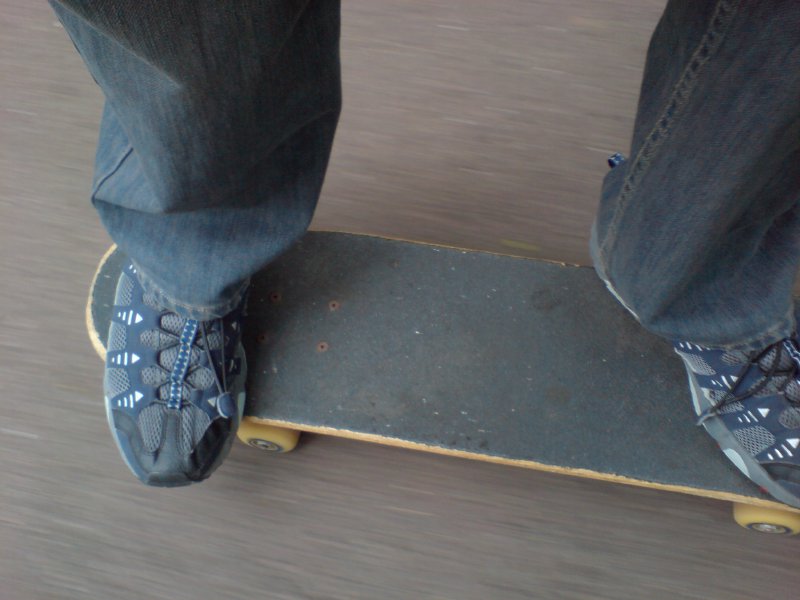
x: 174, y: 387
x: 750, y: 404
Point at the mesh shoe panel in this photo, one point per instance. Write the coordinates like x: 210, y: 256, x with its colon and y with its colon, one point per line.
x: 201, y: 378
x: 201, y: 423
x: 124, y: 291
x: 154, y: 376
x: 778, y: 382
x: 172, y: 323
x: 734, y: 358
x: 716, y: 395
x: 773, y: 386
x: 698, y: 364
x: 790, y: 418
x: 116, y: 382
x: 117, y: 337
x: 754, y: 439
x: 214, y: 340
x: 194, y: 423
x: 155, y: 339
x: 167, y: 358
x: 793, y: 391
x: 732, y: 408
x: 150, y: 300
x: 151, y: 421
x: 769, y: 358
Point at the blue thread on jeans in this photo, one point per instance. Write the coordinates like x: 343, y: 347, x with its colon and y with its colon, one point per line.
x: 712, y: 39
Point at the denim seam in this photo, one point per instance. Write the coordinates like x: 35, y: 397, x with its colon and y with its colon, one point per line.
x: 113, y: 170
x: 710, y: 42
x: 200, y: 313
x: 785, y: 328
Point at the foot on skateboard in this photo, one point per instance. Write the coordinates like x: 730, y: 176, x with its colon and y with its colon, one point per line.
x: 173, y: 386
x: 750, y: 404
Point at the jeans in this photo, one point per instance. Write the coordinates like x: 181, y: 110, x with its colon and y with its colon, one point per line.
x: 220, y: 118
x: 698, y: 233
x: 216, y: 133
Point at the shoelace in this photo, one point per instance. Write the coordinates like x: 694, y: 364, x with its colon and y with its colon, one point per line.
x: 181, y: 368
x: 781, y: 348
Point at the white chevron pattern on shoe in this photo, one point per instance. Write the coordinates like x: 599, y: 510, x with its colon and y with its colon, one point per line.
x: 124, y: 358
x: 129, y: 316
x: 130, y: 400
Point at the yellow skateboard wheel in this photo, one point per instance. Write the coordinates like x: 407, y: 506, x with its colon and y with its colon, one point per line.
x: 267, y: 437
x: 767, y: 520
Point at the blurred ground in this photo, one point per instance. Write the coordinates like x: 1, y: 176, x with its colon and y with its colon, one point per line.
x: 469, y: 123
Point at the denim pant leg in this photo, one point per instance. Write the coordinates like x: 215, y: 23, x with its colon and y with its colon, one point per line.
x: 698, y: 233
x: 216, y: 133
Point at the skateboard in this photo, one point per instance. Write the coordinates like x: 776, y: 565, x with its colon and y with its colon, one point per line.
x: 490, y: 357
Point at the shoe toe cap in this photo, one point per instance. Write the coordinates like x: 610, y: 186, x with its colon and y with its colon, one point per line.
x: 177, y: 458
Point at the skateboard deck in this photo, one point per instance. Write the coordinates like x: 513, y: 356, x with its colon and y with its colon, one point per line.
x: 478, y: 355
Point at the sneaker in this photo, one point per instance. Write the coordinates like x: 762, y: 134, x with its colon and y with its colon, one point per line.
x: 174, y: 387
x: 750, y: 404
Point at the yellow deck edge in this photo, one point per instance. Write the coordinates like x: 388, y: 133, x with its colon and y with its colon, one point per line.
x: 448, y: 247
x: 91, y: 329
x: 526, y: 464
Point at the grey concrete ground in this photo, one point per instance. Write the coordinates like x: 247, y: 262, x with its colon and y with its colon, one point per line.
x: 470, y: 123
